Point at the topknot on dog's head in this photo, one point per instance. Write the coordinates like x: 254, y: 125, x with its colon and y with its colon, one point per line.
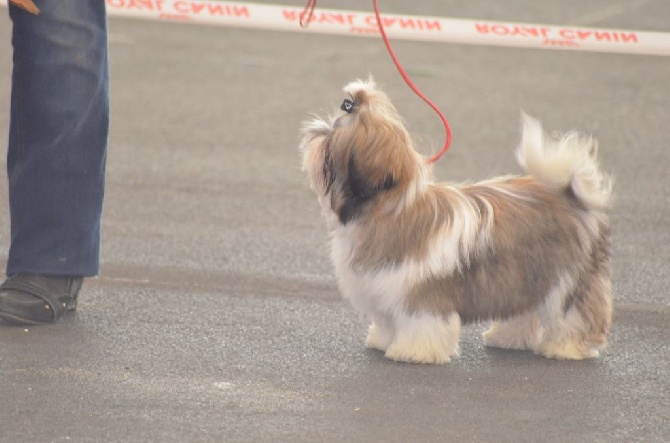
x: 367, y: 96
x: 361, y: 91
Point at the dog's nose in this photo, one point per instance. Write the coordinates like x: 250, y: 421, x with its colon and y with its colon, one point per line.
x: 347, y: 106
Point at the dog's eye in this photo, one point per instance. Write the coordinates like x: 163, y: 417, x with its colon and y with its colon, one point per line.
x: 347, y: 106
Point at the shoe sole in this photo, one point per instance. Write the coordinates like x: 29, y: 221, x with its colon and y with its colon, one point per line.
x: 20, y: 321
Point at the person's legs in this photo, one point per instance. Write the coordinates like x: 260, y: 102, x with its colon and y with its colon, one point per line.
x: 57, y: 138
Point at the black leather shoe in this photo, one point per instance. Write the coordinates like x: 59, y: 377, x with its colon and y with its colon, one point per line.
x: 30, y: 299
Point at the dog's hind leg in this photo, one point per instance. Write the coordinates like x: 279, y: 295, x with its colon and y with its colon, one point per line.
x: 425, y: 338
x: 577, y: 328
x: 594, y: 302
x: 568, y: 340
x: 523, y: 332
x: 581, y: 327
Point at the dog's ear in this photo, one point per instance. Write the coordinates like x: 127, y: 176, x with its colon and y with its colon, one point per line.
x: 356, y: 191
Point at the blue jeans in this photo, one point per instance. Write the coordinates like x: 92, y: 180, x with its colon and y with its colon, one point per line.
x: 59, y: 124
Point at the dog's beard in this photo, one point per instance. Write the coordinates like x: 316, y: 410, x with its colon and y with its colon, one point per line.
x: 534, y: 248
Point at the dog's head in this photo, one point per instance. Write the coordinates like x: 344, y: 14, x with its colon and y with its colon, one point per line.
x: 361, y: 157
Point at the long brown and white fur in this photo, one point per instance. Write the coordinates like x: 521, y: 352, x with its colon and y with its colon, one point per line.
x: 420, y: 258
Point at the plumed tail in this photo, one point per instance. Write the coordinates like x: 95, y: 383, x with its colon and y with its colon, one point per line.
x: 568, y: 163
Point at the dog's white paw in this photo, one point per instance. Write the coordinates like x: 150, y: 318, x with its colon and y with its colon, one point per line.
x: 568, y: 350
x: 423, y: 338
x: 419, y: 354
x: 378, y: 338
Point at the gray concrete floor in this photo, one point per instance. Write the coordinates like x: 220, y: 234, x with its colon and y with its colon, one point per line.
x: 217, y: 317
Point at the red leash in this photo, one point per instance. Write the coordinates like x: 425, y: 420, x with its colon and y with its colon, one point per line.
x: 307, y: 13
x: 306, y: 16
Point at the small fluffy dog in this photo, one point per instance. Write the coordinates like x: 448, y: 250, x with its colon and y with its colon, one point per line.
x: 420, y: 258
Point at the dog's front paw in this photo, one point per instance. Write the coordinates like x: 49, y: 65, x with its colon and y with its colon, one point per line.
x: 378, y: 338
x: 419, y: 354
x: 425, y: 339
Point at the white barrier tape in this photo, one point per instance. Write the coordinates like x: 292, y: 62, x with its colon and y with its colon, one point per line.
x: 400, y: 27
